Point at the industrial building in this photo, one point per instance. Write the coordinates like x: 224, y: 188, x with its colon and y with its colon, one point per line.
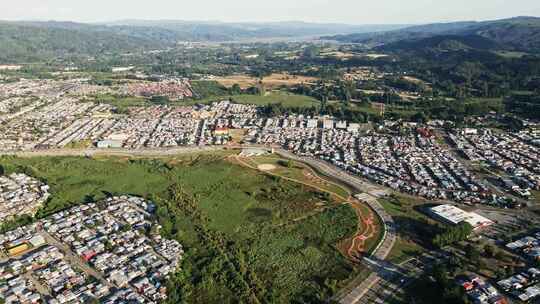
x: 452, y: 215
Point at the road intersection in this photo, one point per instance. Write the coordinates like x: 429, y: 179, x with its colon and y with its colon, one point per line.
x: 385, y: 280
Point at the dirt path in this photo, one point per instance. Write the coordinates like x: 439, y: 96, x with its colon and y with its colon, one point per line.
x: 366, y: 229
x: 245, y: 164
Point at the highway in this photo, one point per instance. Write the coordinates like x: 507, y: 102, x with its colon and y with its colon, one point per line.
x: 113, y: 152
x: 393, y: 279
x: 387, y: 280
x: 384, y: 274
x: 380, y: 279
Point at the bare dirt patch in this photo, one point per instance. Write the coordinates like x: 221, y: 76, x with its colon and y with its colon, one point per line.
x: 375, y: 56
x: 412, y: 79
x: 367, y: 229
x: 266, y: 167
x: 238, y: 135
x: 273, y: 81
x: 338, y: 54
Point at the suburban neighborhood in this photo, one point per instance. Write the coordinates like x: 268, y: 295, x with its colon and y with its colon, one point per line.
x: 109, y: 251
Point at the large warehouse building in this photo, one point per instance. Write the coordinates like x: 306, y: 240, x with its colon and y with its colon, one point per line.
x: 453, y: 216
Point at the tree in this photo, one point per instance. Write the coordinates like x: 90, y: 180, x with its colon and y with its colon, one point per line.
x: 311, y: 52
x: 489, y: 251
x: 253, y: 91
x: 159, y: 99
x: 472, y: 253
x: 17, y: 221
x: 93, y: 301
x: 89, y: 198
x: 290, y: 164
x: 419, y: 117
x: 236, y: 89
x: 453, y: 235
x: 261, y: 88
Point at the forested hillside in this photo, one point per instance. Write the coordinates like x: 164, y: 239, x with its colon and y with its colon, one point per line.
x: 23, y: 43
x: 519, y: 34
x: 26, y: 41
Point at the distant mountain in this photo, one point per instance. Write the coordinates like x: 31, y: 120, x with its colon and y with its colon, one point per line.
x: 28, y: 41
x: 443, y: 43
x: 519, y: 33
x: 222, y: 31
x: 412, y: 32
x: 34, y: 41
x: 440, y: 28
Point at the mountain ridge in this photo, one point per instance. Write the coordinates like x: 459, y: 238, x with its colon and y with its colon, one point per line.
x: 516, y: 33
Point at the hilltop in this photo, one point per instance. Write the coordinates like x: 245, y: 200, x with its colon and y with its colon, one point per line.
x: 21, y: 42
x: 519, y: 34
x: 25, y: 41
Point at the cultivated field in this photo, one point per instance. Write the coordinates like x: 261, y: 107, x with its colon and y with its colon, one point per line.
x: 338, y: 54
x: 273, y: 81
x: 412, y: 79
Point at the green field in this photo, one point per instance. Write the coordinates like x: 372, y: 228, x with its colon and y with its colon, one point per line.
x: 495, y: 104
x: 415, y: 228
x: 243, y: 239
x: 122, y: 103
x: 73, y: 180
x: 251, y: 198
x: 297, y: 171
x: 401, y: 111
x: 286, y: 99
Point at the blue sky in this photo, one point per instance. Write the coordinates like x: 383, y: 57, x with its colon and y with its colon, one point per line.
x: 343, y: 11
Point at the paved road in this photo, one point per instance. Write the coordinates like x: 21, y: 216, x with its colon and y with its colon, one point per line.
x: 73, y: 258
x: 393, y: 279
x: 379, y: 278
x: 112, y: 152
x: 387, y: 280
x: 381, y: 252
x: 76, y: 260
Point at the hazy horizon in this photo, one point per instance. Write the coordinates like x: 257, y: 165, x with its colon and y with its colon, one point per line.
x: 318, y: 11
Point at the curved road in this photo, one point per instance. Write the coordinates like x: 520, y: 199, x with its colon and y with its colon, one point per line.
x: 381, y: 252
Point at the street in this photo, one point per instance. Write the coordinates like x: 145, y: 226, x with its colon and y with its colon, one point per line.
x: 379, y: 285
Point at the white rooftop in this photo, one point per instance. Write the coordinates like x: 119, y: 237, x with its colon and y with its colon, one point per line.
x: 455, y: 216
